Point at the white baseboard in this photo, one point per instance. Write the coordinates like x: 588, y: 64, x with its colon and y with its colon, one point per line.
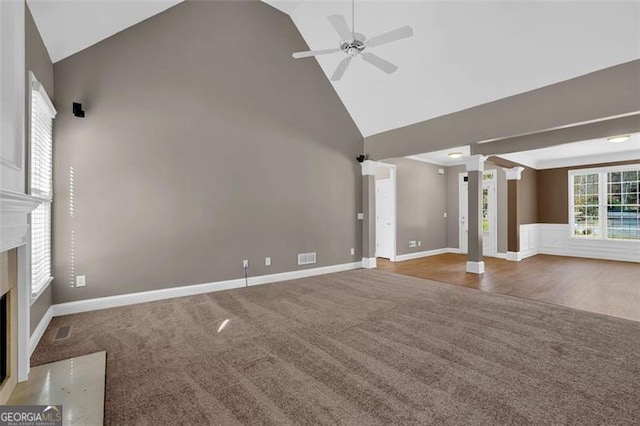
x: 501, y: 255
x: 475, y: 267
x: 40, y: 329
x: 369, y: 262
x: 427, y: 253
x: 419, y: 254
x: 189, y: 290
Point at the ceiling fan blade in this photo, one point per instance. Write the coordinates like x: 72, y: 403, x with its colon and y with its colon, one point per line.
x: 380, y: 63
x: 397, y: 34
x: 299, y: 55
x: 341, y: 26
x: 342, y: 67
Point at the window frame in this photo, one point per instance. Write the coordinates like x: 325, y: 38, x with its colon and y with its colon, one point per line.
x: 603, y: 194
x: 35, y: 86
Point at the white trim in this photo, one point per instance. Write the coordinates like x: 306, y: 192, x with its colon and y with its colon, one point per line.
x: 40, y: 329
x: 419, y: 254
x: 475, y: 163
x: 475, y: 267
x: 190, y: 290
x: 554, y: 239
x: 41, y: 289
x: 393, y: 177
x: 453, y: 250
x: 501, y: 255
x: 368, y: 167
x: 369, y: 262
x: 38, y: 87
x: 514, y: 173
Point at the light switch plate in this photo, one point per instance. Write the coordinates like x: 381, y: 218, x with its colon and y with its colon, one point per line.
x: 360, y: 216
x: 267, y: 261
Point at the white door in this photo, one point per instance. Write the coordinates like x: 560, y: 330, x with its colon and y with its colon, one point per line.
x: 384, y: 218
x: 489, y: 221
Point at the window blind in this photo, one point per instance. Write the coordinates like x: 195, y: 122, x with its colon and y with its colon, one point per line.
x: 41, y: 184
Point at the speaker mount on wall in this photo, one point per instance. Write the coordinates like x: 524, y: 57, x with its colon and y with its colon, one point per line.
x: 77, y: 110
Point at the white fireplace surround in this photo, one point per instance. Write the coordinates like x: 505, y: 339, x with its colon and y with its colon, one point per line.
x: 14, y: 233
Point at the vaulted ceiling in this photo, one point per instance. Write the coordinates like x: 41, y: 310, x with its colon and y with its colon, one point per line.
x: 463, y: 54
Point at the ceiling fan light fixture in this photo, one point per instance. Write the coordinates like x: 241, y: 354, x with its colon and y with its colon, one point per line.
x: 455, y: 154
x: 618, y: 139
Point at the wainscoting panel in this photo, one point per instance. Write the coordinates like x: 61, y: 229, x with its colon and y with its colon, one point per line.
x: 555, y: 239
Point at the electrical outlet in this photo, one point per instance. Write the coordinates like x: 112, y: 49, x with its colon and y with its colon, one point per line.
x: 267, y: 261
x: 360, y: 216
x: 353, y: 251
x: 81, y: 280
x: 419, y: 243
x: 245, y: 263
x: 445, y: 215
x: 412, y: 243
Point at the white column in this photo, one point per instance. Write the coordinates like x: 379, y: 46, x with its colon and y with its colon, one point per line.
x: 369, y: 214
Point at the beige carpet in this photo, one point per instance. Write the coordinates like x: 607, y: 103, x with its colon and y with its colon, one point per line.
x: 359, y: 347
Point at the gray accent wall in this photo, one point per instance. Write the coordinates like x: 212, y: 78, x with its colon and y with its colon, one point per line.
x: 421, y: 204
x: 204, y: 143
x: 37, y: 61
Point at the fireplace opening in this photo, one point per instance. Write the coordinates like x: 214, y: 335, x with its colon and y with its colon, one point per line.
x: 4, y: 335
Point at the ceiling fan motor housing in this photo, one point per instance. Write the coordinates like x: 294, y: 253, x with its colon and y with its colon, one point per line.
x: 352, y: 48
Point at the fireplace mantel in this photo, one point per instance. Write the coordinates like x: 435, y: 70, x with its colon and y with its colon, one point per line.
x: 14, y: 208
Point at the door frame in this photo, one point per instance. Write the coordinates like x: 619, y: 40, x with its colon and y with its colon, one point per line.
x: 394, y: 210
x: 494, y: 219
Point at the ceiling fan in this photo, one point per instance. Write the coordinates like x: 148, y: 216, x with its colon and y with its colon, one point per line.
x: 354, y: 44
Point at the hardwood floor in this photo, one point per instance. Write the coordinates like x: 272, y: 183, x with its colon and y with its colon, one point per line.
x: 601, y: 286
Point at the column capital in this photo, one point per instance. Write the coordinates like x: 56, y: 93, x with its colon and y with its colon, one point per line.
x: 368, y: 167
x: 514, y: 173
x: 475, y: 163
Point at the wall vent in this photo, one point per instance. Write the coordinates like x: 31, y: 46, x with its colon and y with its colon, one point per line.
x: 306, y: 258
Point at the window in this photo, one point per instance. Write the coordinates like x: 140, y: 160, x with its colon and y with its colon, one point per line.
x: 40, y: 182
x: 604, y: 203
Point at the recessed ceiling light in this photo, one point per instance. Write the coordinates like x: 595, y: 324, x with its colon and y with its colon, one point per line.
x: 455, y: 154
x: 618, y: 139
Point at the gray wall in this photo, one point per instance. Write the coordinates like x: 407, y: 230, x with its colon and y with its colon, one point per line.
x: 37, y: 61
x: 453, y: 238
x: 204, y: 144
x: 421, y: 203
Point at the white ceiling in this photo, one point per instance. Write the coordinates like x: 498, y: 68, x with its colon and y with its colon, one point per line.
x: 442, y: 157
x: 68, y: 26
x: 465, y: 54
x: 578, y: 153
x: 462, y: 54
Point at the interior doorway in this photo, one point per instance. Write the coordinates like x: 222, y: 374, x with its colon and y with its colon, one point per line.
x: 489, y: 213
x: 385, y: 190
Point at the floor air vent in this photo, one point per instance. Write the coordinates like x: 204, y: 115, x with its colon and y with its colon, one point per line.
x: 306, y: 258
x: 63, y: 333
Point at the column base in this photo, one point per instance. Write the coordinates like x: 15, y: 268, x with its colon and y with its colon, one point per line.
x: 475, y: 267
x: 513, y: 255
x: 369, y: 262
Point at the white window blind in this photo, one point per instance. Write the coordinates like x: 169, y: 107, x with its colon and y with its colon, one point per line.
x: 41, y: 184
